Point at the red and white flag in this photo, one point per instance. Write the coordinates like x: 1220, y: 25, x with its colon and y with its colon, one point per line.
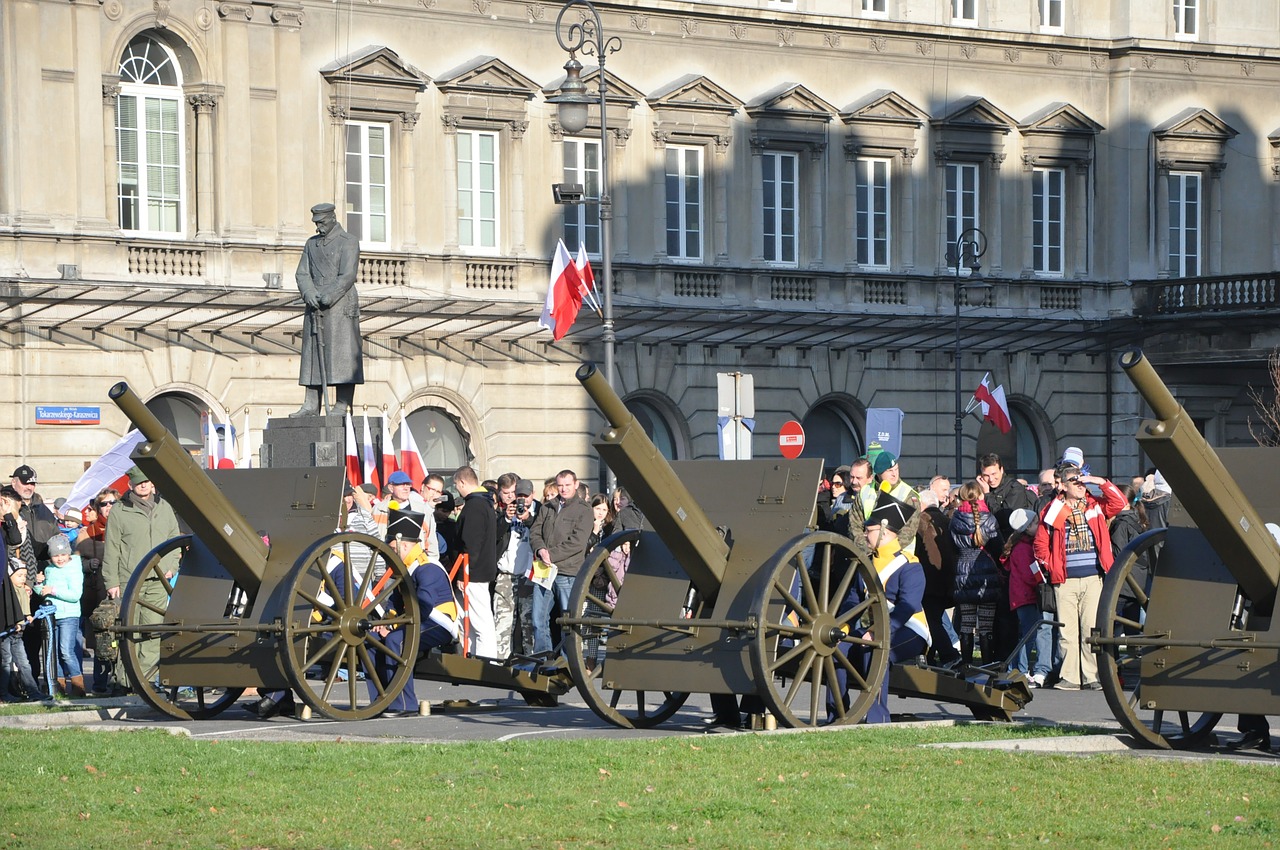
x: 227, y: 460
x: 564, y: 294
x: 355, y: 476
x: 212, y: 445
x: 369, y: 462
x: 587, y: 278
x: 410, y: 457
x: 390, y: 461
x: 994, y: 407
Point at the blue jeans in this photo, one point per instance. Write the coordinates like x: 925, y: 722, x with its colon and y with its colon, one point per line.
x: 70, y: 652
x: 559, y: 593
x: 14, y: 653
x: 1029, y: 617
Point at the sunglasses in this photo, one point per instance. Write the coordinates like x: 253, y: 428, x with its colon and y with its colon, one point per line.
x: 107, y: 503
x: 1075, y: 480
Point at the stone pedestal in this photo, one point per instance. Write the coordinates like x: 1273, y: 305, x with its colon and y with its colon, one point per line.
x: 304, y: 442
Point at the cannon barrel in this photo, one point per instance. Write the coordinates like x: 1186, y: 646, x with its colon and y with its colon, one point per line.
x: 654, y: 486
x: 196, y: 499
x: 1211, y: 497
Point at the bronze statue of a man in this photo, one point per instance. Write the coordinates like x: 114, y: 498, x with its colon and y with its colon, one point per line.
x: 331, y: 344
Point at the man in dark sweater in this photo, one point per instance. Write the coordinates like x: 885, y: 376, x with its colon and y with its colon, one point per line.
x: 477, y: 538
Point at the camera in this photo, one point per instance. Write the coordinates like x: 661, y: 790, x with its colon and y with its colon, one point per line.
x: 521, y: 505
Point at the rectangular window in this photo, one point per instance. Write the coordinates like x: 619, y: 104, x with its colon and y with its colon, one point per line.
x: 779, y: 172
x: 964, y: 11
x: 478, y: 190
x: 149, y: 166
x: 684, y: 202
x: 368, y: 167
x: 1186, y: 21
x: 875, y: 8
x: 582, y: 221
x: 1047, y: 209
x: 1184, y: 224
x: 961, y: 199
x: 1051, y: 15
x: 873, y: 212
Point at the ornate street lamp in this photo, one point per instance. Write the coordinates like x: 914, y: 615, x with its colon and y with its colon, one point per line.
x: 966, y: 254
x: 572, y: 101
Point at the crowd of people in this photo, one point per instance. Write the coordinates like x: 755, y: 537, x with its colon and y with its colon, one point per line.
x: 1002, y: 559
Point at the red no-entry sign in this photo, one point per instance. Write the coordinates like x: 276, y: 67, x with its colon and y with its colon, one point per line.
x: 791, y: 439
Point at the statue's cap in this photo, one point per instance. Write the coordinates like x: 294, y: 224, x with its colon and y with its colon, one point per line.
x: 322, y: 208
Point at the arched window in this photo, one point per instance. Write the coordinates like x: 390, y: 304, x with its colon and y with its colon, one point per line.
x: 830, y: 433
x: 149, y: 138
x: 441, y: 440
x: 1020, y: 449
x: 656, y: 426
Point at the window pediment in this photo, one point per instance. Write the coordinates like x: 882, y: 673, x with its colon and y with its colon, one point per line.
x: 485, y: 90
x: 693, y: 107
x: 884, y: 107
x: 1058, y: 134
x: 883, y: 122
x: 374, y: 82
x: 619, y: 92
x: 790, y: 102
x: 1195, y: 138
x: 973, y: 131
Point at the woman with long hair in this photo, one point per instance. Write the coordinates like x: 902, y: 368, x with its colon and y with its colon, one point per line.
x: 979, y: 581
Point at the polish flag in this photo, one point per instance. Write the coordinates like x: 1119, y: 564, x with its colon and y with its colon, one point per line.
x: 588, y: 278
x: 369, y: 459
x: 410, y: 457
x: 246, y: 460
x: 390, y: 462
x: 228, y: 458
x: 564, y: 294
x: 994, y: 407
x: 354, y: 474
x: 212, y: 445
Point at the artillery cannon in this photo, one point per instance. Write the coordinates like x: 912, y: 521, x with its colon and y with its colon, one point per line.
x: 1186, y: 629
x: 733, y: 593
x: 254, y: 596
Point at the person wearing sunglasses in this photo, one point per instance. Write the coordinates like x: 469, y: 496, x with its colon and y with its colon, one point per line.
x: 1073, y: 545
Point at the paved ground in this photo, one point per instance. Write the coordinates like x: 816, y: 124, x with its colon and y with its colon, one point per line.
x: 489, y: 715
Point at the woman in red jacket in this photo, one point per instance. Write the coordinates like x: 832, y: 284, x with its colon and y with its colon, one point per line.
x: 1073, y: 544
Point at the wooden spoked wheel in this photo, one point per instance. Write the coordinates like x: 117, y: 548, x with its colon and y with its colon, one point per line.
x: 1120, y: 664
x: 140, y: 629
x: 813, y: 660
x: 587, y: 647
x: 337, y: 620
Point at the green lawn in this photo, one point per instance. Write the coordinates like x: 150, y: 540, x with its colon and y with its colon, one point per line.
x: 859, y: 789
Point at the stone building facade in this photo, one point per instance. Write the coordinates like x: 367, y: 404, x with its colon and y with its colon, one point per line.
x: 787, y: 180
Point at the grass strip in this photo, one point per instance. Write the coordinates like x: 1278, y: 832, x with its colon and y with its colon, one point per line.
x: 74, y: 788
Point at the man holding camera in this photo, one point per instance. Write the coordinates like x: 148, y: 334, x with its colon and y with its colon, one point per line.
x: 515, y: 560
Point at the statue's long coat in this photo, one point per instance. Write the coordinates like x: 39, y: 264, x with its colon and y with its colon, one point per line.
x: 329, y: 267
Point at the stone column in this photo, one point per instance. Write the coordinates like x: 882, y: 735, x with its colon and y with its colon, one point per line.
x: 110, y: 94
x: 1213, y: 220
x: 851, y: 151
x: 1162, y: 219
x: 408, y: 183
x: 993, y: 225
x: 659, y: 192
x: 817, y: 207
x: 236, y: 213
x: 203, y: 105
x: 907, y: 260
x: 450, y: 188
x: 338, y: 132
x: 620, y: 243
x: 516, y: 207
x: 720, y: 186
x: 758, y: 145
x: 1079, y: 212
x: 296, y: 120
x: 93, y: 207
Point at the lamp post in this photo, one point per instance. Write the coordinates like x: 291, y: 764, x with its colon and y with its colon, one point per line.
x: 966, y: 253
x: 587, y: 36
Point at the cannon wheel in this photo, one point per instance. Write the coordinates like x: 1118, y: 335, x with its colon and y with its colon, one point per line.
x: 628, y: 709
x: 1120, y: 666
x: 182, y: 702
x: 337, y: 633
x: 801, y: 643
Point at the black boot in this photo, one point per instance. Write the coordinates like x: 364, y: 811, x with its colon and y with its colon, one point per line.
x: 345, y: 396
x: 966, y: 649
x: 310, y: 404
x: 987, y: 648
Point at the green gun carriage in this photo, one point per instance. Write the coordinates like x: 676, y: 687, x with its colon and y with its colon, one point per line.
x: 1199, y: 637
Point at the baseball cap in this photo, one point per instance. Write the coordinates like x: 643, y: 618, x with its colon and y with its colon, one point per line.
x: 25, y: 474
x: 524, y: 487
x: 399, y: 477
